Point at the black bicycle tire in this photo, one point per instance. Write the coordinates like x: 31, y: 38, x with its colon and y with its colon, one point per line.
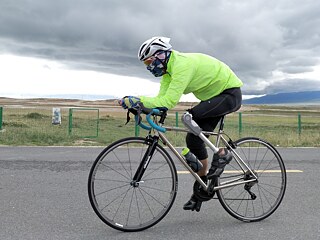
x: 91, y: 186
x: 281, y: 195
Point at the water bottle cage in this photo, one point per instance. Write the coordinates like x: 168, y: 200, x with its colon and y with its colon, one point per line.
x: 194, y: 167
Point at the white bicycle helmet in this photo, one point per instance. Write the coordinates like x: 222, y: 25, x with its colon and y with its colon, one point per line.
x: 152, y: 45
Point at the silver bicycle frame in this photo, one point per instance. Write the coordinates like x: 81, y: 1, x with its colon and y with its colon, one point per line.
x: 220, y: 137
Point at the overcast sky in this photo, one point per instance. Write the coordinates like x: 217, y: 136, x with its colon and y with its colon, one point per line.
x: 90, y: 46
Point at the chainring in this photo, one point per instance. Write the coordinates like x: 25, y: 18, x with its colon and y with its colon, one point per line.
x: 200, y: 193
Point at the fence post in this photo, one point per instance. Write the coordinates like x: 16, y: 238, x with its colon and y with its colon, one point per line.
x: 240, y: 123
x: 136, y: 130
x: 1, y: 111
x: 70, y: 121
x: 299, y: 123
x: 98, y: 121
x: 177, y: 119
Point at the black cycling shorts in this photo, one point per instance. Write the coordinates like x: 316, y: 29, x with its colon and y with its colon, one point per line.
x: 207, y: 115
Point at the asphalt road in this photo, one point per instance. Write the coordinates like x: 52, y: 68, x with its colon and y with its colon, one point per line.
x: 43, y: 195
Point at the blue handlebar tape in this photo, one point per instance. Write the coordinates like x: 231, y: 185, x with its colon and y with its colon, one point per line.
x: 155, y: 111
x: 152, y: 124
x: 149, y: 120
x: 141, y: 124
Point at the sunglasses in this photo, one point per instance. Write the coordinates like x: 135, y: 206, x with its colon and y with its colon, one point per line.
x: 160, y: 55
x: 149, y: 60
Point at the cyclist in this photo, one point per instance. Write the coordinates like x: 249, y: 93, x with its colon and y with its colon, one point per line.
x: 210, y: 80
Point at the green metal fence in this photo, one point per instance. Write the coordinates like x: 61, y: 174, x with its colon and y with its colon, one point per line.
x: 295, y: 129
x: 1, y: 111
x: 84, y: 122
x: 33, y: 126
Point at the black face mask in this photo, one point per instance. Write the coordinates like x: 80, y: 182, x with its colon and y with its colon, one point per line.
x: 159, y: 67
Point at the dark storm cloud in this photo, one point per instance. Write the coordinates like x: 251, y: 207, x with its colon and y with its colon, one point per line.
x: 293, y: 85
x: 255, y: 38
x: 298, y: 64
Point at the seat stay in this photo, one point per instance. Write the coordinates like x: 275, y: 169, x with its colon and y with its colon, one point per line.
x: 244, y: 167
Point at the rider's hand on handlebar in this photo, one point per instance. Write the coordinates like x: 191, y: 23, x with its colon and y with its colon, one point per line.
x: 128, y: 102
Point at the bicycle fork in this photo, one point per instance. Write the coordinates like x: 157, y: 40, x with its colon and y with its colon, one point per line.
x: 145, y: 161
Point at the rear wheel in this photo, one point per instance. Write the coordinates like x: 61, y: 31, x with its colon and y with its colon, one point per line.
x: 119, y: 201
x: 255, y: 200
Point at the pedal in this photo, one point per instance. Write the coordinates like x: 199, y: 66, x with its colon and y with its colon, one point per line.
x: 211, y: 186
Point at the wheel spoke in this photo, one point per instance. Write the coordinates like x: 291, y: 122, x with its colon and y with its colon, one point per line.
x: 261, y: 198
x: 125, y: 204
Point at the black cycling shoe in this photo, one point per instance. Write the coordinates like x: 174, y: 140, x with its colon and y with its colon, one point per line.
x: 193, y: 204
x: 218, y: 163
x: 212, y: 184
x: 217, y: 166
x: 199, y: 195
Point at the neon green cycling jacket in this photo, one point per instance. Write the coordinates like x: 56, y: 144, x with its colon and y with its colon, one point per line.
x: 196, y: 73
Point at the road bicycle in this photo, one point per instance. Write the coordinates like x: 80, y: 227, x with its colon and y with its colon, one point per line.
x: 133, y: 182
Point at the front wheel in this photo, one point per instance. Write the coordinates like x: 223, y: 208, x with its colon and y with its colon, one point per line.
x: 125, y: 204
x: 258, y: 199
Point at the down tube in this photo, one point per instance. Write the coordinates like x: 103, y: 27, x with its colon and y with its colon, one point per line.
x: 175, y: 152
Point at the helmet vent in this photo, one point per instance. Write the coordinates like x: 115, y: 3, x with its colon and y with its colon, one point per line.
x: 158, y: 44
x: 147, y: 51
x: 142, y: 48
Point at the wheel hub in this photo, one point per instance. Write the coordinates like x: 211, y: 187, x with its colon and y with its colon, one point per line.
x: 135, y: 183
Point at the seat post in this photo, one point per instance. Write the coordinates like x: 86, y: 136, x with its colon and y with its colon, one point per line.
x: 221, y: 125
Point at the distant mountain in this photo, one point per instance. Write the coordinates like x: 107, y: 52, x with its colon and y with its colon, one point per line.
x: 307, y: 97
